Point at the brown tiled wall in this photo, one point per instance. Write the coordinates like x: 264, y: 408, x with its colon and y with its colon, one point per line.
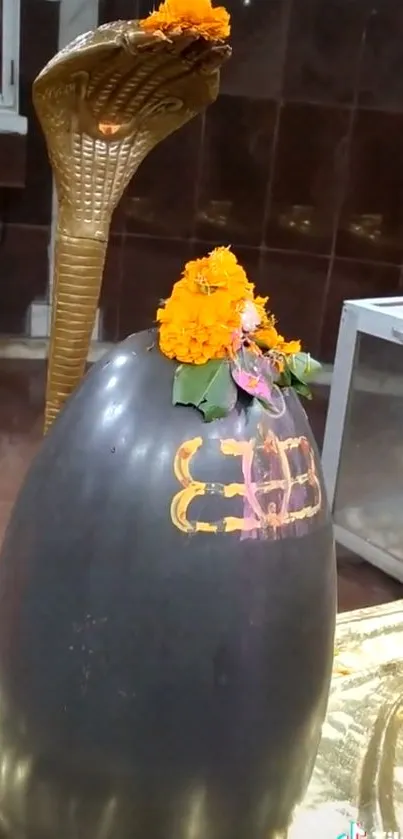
x: 25, y: 213
x: 299, y: 165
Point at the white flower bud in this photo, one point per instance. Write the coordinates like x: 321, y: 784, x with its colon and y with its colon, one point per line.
x: 250, y: 319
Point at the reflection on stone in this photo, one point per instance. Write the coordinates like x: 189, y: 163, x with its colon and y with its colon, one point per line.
x: 139, y: 208
x: 298, y: 218
x: 367, y: 227
x: 217, y: 213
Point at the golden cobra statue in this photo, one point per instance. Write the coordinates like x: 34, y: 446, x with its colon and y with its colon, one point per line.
x: 103, y: 103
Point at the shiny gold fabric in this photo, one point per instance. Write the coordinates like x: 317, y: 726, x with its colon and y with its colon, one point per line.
x: 358, y: 776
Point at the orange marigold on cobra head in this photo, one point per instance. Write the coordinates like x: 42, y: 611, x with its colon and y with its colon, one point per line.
x: 202, y: 317
x: 195, y: 17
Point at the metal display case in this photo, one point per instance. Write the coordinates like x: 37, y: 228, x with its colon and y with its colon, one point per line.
x: 363, y: 445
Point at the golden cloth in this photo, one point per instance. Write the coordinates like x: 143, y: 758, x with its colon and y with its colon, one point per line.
x: 358, y: 776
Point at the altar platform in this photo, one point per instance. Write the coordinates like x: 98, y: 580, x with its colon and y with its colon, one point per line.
x: 358, y: 776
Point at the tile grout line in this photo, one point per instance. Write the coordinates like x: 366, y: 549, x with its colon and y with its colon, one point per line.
x: 343, y: 186
x: 275, y: 141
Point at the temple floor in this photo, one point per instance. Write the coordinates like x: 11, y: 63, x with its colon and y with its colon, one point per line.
x: 22, y: 386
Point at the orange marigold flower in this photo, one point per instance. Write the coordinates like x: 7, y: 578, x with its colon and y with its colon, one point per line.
x: 196, y: 17
x: 260, y: 305
x: 268, y: 338
x: 201, y: 319
x: 289, y: 347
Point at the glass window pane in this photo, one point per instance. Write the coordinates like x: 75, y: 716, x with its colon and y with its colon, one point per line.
x: 369, y: 494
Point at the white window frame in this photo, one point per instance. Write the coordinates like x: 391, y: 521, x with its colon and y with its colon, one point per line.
x: 380, y: 317
x: 10, y: 118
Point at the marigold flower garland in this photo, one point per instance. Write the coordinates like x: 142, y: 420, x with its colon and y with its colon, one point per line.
x: 193, y: 17
x: 225, y: 339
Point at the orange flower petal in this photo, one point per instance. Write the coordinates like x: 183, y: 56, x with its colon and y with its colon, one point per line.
x: 201, y: 320
x: 192, y: 16
x: 290, y: 347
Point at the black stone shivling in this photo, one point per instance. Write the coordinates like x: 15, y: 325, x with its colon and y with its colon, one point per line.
x: 167, y: 613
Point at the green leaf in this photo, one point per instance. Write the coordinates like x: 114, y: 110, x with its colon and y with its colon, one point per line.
x: 303, y: 367
x: 302, y: 389
x: 207, y: 387
x: 285, y: 377
x: 288, y: 378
